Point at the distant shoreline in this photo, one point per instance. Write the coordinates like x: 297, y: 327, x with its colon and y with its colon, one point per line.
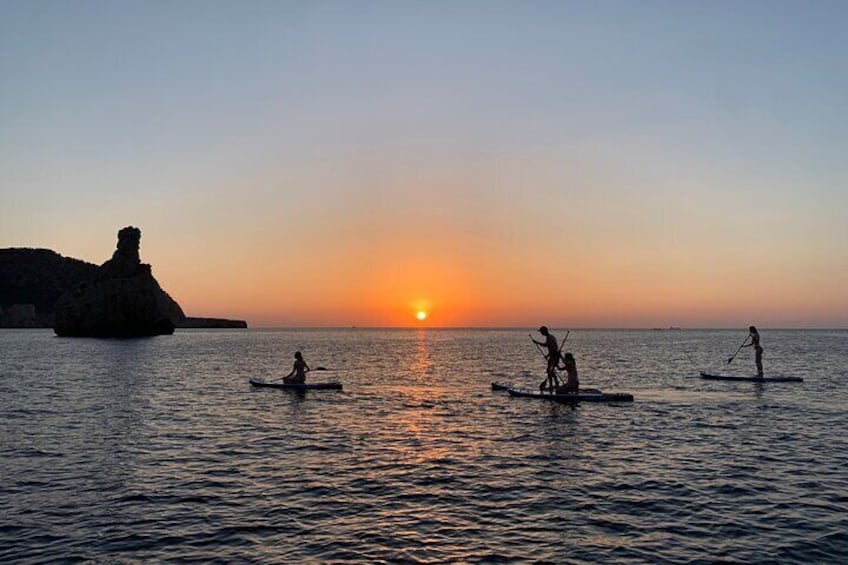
x: 529, y: 329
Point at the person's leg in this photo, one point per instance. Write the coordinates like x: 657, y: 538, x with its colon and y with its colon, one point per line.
x: 552, y: 378
x: 759, y: 359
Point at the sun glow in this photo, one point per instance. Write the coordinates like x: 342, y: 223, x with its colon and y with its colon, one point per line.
x: 421, y: 315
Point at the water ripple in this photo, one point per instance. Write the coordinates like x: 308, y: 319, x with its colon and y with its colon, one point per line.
x: 157, y: 450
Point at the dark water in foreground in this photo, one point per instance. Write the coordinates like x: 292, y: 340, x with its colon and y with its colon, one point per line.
x: 158, y: 450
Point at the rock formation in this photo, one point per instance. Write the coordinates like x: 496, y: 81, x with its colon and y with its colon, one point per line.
x: 123, y: 300
x: 207, y: 323
x: 33, y: 280
x: 36, y: 278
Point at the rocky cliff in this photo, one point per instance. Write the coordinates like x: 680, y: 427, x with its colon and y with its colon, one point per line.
x: 123, y: 300
x: 120, y: 298
x: 31, y: 280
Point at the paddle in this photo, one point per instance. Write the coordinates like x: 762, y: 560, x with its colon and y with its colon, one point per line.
x: 537, y: 346
x: 542, y: 353
x: 563, y: 342
x: 732, y: 357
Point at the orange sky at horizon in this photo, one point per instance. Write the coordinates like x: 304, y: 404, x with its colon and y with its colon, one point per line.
x: 382, y: 288
x: 476, y: 249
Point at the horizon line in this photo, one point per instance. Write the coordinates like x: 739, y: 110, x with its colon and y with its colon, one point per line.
x: 534, y: 328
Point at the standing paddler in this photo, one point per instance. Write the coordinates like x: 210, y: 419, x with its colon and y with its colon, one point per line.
x: 754, y: 336
x: 552, y: 356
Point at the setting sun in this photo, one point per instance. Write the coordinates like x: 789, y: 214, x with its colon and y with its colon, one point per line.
x: 421, y: 315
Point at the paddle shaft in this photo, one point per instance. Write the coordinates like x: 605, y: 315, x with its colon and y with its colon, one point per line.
x: 537, y: 346
x: 730, y: 360
x: 562, y: 345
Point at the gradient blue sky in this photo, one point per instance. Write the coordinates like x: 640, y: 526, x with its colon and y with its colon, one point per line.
x: 497, y: 163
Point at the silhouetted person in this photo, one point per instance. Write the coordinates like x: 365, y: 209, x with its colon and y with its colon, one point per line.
x: 758, y: 350
x: 298, y: 372
x: 552, y: 356
x: 572, y: 385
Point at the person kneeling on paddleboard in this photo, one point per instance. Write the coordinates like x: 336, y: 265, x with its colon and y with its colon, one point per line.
x: 298, y: 372
x: 571, y: 385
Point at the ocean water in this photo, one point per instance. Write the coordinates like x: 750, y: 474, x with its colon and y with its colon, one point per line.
x: 159, y: 450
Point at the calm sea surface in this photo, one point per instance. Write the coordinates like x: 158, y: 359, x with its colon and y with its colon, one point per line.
x: 159, y: 450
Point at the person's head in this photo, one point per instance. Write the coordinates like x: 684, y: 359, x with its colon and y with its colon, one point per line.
x: 568, y: 358
x: 298, y: 356
x: 752, y: 329
x: 543, y: 330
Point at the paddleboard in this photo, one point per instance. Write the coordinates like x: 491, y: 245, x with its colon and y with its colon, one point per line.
x: 588, y: 395
x: 295, y: 386
x: 501, y: 386
x: 752, y: 379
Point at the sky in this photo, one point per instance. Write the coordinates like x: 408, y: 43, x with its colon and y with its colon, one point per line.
x: 578, y: 164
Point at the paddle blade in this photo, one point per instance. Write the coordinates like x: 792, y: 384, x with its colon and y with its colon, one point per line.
x: 729, y: 360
